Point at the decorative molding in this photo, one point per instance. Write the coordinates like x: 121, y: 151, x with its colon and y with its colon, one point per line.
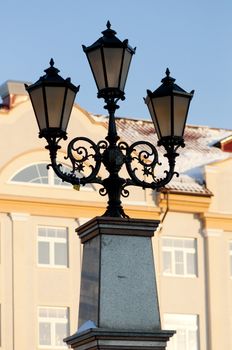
x: 116, y: 226
x: 217, y: 221
x: 69, y: 208
x: 100, y: 338
x: 185, y: 203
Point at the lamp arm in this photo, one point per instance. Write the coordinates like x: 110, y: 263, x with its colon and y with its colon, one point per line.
x: 77, y: 155
x: 146, y: 158
x: 171, y: 154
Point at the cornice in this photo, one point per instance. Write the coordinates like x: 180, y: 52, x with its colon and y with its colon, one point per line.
x: 218, y: 221
x: 69, y: 209
x: 184, y: 203
x: 74, y: 209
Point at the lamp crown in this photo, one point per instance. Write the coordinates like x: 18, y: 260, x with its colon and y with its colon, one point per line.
x: 168, y: 79
x: 109, y: 32
x: 51, y: 71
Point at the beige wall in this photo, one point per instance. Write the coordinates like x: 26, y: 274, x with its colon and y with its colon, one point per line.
x: 219, y: 292
x: 25, y: 285
x: 183, y: 295
x: 218, y: 179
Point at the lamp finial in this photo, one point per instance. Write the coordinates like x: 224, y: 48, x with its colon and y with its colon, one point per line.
x: 167, y: 72
x: 51, y: 62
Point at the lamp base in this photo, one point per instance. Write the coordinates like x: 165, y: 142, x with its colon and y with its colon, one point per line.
x: 100, y: 338
x: 118, y: 298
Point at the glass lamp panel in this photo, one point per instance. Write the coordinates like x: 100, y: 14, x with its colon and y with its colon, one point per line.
x: 162, y: 106
x: 67, y: 109
x: 36, y: 96
x: 113, y: 62
x: 181, y: 105
x: 125, y: 68
x: 55, y: 101
x: 95, y: 61
x: 152, y: 113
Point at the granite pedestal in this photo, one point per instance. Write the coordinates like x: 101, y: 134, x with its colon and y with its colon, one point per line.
x: 118, y: 299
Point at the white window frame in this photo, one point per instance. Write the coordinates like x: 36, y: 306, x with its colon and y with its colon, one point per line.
x: 51, y: 180
x: 52, y: 241
x: 53, y: 321
x: 182, y: 323
x: 51, y: 177
x: 186, y: 251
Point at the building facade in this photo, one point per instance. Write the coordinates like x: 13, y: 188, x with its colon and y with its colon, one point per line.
x: 40, y: 254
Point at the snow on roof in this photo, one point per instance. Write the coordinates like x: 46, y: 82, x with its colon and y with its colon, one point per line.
x: 198, y: 151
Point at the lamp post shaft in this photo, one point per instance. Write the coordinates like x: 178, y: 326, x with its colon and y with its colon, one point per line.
x: 112, y: 136
x: 113, y: 160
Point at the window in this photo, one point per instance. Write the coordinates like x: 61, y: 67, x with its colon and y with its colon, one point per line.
x: 52, y: 246
x: 53, y: 327
x: 230, y: 247
x: 179, y: 256
x: 186, y: 326
x: 39, y: 174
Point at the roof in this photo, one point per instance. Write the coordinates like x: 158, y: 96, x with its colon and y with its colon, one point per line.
x: 199, y: 151
x: 225, y: 144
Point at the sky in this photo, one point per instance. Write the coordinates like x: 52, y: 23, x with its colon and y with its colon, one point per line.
x: 192, y: 38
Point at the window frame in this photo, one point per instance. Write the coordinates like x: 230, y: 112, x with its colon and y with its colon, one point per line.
x: 53, y: 322
x: 185, y: 250
x: 52, y: 241
x: 51, y: 179
x: 182, y: 323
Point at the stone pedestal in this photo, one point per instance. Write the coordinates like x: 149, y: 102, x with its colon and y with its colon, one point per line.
x: 118, y: 301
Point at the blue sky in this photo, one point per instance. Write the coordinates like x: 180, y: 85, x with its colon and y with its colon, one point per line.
x: 192, y: 38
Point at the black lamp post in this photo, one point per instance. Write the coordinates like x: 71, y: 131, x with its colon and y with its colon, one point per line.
x: 52, y: 99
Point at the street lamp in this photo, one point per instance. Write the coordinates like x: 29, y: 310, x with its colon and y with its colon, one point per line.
x: 109, y: 59
x: 52, y: 98
x: 168, y: 106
